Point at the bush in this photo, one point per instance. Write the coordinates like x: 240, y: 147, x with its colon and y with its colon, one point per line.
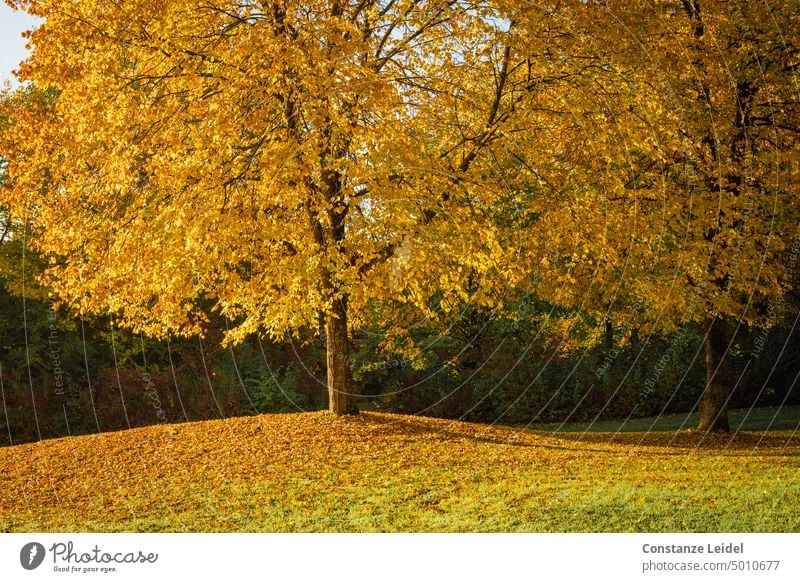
x: 266, y: 388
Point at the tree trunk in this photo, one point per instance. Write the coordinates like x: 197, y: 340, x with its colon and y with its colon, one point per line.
x: 340, y: 399
x: 714, y: 405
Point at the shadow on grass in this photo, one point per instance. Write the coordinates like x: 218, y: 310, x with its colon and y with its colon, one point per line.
x: 761, y: 444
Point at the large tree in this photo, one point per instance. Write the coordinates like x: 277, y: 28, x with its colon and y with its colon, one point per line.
x: 282, y: 162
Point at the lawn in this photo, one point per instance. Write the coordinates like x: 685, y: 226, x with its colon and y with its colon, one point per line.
x: 381, y: 472
x: 771, y: 418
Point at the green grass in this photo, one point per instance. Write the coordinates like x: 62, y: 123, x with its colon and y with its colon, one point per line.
x: 379, y: 472
x: 770, y: 418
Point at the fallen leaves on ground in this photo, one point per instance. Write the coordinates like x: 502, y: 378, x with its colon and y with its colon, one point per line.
x: 385, y: 472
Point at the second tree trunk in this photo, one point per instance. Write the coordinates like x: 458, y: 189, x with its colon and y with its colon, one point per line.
x: 714, y: 405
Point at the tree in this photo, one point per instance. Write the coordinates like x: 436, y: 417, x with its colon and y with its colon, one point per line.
x: 275, y: 161
x: 697, y: 145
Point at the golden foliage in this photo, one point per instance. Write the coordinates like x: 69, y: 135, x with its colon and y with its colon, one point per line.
x: 685, y: 181
x: 271, y: 159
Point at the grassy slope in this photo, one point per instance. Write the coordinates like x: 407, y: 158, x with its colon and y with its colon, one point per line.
x: 379, y: 472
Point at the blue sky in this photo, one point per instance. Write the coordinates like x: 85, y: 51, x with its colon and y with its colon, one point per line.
x: 12, y: 45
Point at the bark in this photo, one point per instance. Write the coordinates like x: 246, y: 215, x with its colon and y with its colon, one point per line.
x: 340, y: 400
x: 714, y: 405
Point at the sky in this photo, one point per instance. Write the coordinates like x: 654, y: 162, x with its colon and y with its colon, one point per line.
x: 12, y: 45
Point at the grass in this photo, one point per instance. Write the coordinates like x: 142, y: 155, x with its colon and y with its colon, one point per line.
x: 381, y: 472
x: 771, y: 418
